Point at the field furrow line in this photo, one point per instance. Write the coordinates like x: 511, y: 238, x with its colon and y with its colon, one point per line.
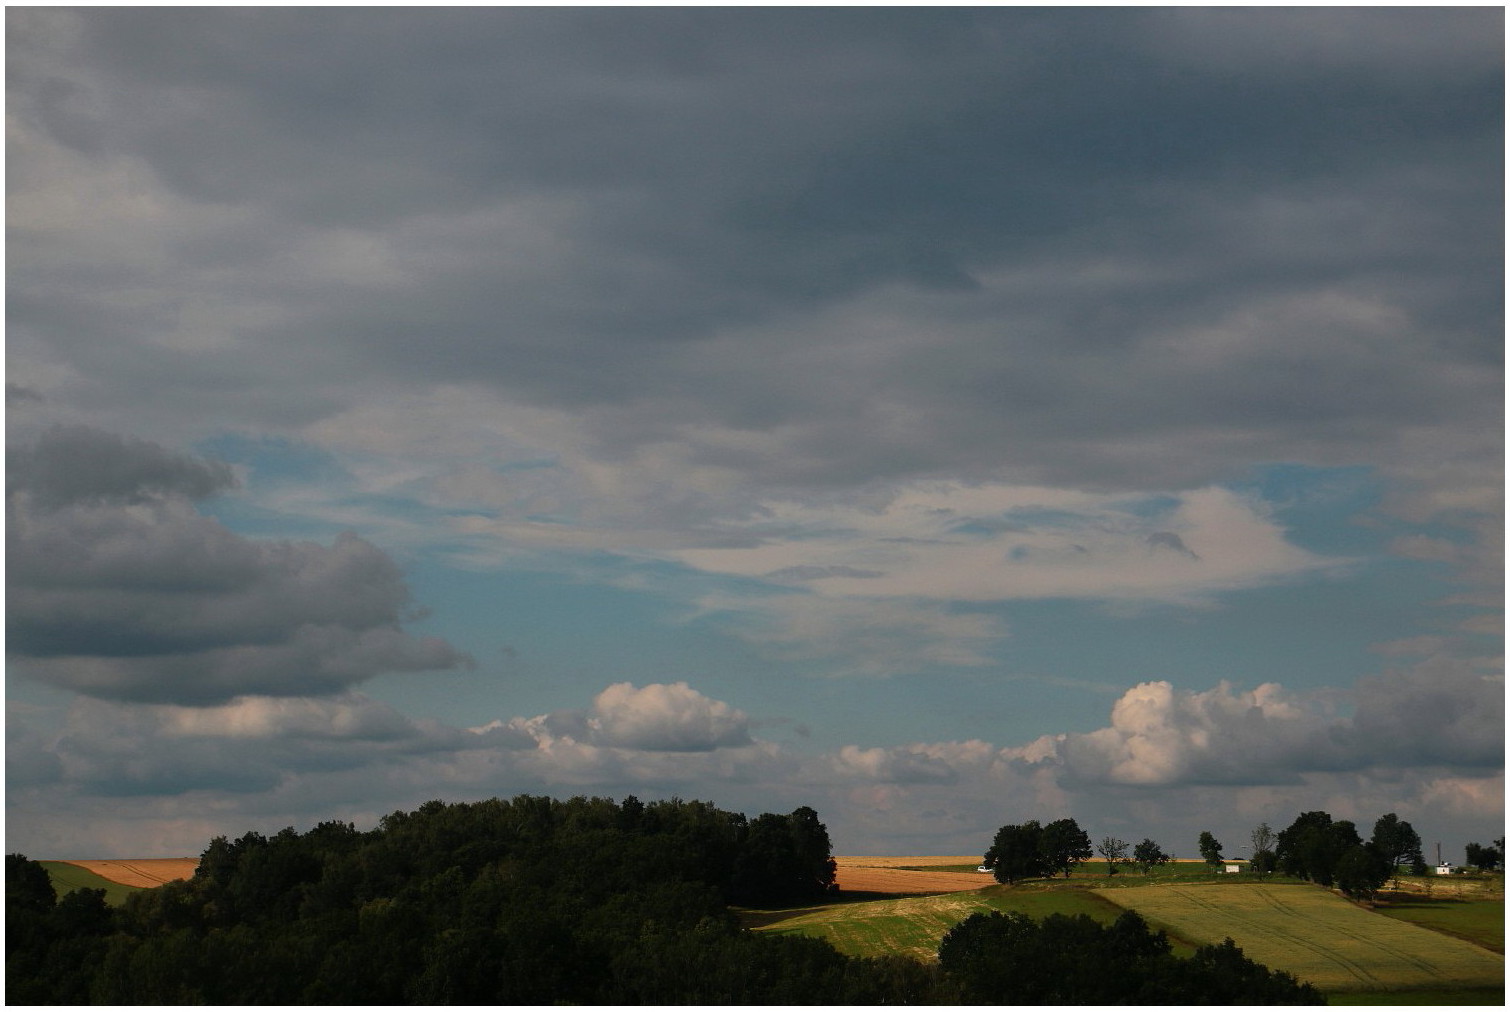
x: 1426, y: 966
x: 1261, y: 927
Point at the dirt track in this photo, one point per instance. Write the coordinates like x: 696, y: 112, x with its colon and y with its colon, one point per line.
x: 144, y: 872
x: 887, y: 875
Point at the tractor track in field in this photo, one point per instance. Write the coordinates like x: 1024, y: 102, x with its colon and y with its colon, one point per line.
x: 1361, y: 973
x: 1424, y: 965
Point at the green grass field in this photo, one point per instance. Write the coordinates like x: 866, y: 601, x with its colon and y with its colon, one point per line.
x: 68, y: 877
x: 1319, y: 937
x: 1479, y: 921
x: 1415, y: 950
x: 913, y: 925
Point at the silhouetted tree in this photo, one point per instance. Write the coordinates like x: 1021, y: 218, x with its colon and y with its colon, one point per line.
x: 1398, y: 843
x: 1483, y: 858
x: 1210, y: 848
x: 1362, y: 871
x: 1148, y: 854
x: 1017, y: 853
x: 1010, y: 959
x: 1262, y: 840
x: 1313, y: 844
x: 1114, y: 851
x: 1064, y: 845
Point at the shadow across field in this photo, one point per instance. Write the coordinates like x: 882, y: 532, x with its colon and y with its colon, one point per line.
x: 1481, y: 922
x: 755, y: 919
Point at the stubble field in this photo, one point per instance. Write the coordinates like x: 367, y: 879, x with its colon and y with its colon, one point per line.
x: 898, y: 876
x: 143, y: 873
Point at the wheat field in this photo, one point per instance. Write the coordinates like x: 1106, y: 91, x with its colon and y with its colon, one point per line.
x: 1317, y: 936
x: 142, y: 872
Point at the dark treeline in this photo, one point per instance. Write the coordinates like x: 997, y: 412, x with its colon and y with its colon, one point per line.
x: 529, y: 901
x: 1331, y: 853
x: 1075, y: 961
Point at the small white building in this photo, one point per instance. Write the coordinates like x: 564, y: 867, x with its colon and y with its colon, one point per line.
x: 1444, y: 869
x: 1233, y: 869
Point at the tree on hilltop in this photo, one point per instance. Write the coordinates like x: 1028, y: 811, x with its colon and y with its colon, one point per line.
x: 1147, y: 854
x: 1211, y: 848
x: 1313, y: 844
x: 1262, y: 839
x: 1114, y: 851
x: 1016, y: 853
x: 1064, y: 845
x: 1398, y: 843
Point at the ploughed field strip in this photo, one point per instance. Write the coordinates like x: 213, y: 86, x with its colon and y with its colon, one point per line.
x: 1317, y: 936
x: 144, y: 873
x: 900, y: 877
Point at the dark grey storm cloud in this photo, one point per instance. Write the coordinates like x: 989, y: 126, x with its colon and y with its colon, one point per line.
x: 1107, y: 249
x: 117, y: 587
x: 77, y: 464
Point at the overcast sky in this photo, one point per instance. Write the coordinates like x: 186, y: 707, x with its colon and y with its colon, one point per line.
x: 942, y: 418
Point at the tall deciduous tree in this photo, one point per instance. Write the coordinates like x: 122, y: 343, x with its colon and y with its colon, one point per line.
x: 1017, y: 853
x: 1064, y: 845
x: 1147, y: 854
x: 1313, y: 844
x: 1211, y: 848
x: 1263, y: 840
x: 1362, y: 871
x: 1115, y: 852
x: 1483, y: 858
x: 1398, y: 843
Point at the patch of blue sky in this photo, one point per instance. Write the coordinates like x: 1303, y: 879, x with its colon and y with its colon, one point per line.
x: 1323, y: 509
x: 270, y: 459
x: 548, y: 641
x: 1306, y: 634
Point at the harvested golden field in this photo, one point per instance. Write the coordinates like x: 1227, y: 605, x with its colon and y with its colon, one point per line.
x: 142, y: 872
x: 892, y: 875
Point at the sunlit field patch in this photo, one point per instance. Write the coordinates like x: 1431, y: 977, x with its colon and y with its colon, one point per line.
x: 910, y: 876
x: 1317, y: 936
x: 913, y: 925
x: 143, y: 873
x: 67, y: 876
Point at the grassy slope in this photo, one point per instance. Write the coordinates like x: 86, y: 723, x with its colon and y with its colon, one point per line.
x: 913, y: 925
x: 1319, y: 936
x: 68, y: 877
x: 1479, y: 921
x: 1373, y: 963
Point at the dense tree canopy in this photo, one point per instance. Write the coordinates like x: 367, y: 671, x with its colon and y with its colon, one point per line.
x: 586, y: 901
x: 1362, y: 871
x: 1210, y: 848
x: 1011, y: 959
x: 1114, y: 851
x: 1312, y: 846
x: 1016, y: 853
x: 1064, y: 845
x: 525, y: 901
x: 1033, y: 851
x: 1398, y: 844
x: 1484, y: 858
x: 1262, y: 840
x: 1148, y: 855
